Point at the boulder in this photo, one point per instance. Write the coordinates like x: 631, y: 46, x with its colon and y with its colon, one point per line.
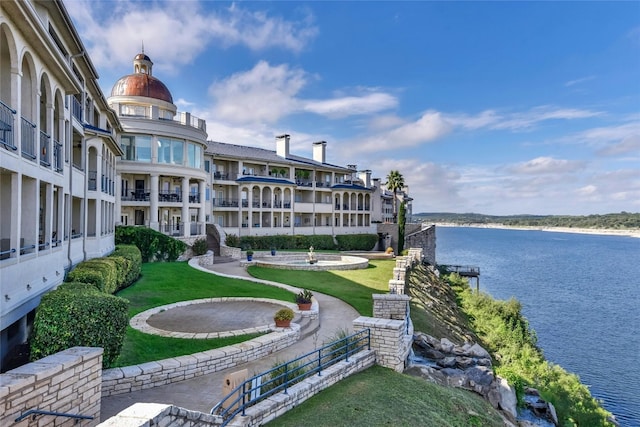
x: 428, y: 374
x: 507, y: 400
x: 464, y: 362
x: 429, y: 353
x: 477, y: 351
x: 446, y: 346
x: 480, y: 375
x: 447, y: 362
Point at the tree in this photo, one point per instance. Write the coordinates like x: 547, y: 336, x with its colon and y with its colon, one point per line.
x: 395, y: 182
x: 402, y: 220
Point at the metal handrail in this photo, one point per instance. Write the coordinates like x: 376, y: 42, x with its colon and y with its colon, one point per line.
x: 287, y: 374
x: 36, y: 412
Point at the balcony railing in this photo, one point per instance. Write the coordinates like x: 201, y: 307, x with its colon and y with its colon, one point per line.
x: 57, y: 156
x: 140, y: 195
x: 93, y: 178
x: 194, y: 198
x: 170, y: 196
x: 76, y: 108
x: 28, y: 139
x: 6, y: 126
x: 233, y: 203
x: 45, y: 149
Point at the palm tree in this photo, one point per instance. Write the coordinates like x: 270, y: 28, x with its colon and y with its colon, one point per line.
x: 395, y: 182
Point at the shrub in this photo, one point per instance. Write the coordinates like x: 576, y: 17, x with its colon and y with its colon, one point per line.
x: 123, y: 266
x: 200, y: 247
x: 284, y: 314
x: 292, y: 372
x: 152, y: 244
x: 87, y: 272
x: 131, y: 253
x: 232, y: 241
x: 356, y: 242
x: 74, y: 316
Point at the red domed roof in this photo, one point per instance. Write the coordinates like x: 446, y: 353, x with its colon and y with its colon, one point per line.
x: 141, y: 84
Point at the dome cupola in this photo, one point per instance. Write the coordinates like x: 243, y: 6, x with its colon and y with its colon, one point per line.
x: 142, y: 82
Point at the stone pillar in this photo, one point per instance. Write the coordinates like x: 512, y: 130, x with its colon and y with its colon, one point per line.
x: 387, y: 306
x: 387, y: 340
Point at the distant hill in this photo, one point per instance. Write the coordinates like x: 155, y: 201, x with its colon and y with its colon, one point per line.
x: 619, y: 221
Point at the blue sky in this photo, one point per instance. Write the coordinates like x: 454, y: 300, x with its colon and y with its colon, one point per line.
x: 489, y: 107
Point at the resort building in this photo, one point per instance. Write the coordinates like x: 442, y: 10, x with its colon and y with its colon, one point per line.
x: 262, y: 192
x: 58, y: 155
x: 161, y: 180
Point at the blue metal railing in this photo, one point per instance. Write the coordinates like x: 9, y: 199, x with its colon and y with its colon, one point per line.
x: 6, y: 126
x: 282, y: 377
x: 28, y: 139
x: 36, y: 412
x: 45, y: 150
x: 7, y: 254
x: 57, y: 156
x: 76, y: 108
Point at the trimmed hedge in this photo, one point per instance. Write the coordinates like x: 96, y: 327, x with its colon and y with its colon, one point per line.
x: 154, y: 246
x: 101, y: 272
x: 356, y: 242
x: 200, y: 247
x: 132, y: 254
x: 77, y: 315
x: 346, y: 242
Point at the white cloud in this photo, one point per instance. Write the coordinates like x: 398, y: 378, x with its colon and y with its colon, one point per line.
x: 351, y: 105
x: 180, y: 31
x: 579, y: 81
x: 263, y: 94
x: 546, y: 165
x: 629, y: 144
x: 527, y: 119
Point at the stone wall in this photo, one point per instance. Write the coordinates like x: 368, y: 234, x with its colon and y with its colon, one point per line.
x: 151, y: 374
x: 66, y: 382
x: 391, y: 330
x: 157, y: 414
x: 425, y: 238
x: 392, y: 231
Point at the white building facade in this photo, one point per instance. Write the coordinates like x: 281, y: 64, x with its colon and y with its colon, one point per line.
x: 58, y: 155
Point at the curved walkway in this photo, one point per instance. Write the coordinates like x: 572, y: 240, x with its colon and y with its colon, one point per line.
x: 202, y: 393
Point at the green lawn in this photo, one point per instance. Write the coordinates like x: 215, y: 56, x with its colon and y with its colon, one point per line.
x: 166, y: 283
x: 354, y: 287
x: 381, y: 397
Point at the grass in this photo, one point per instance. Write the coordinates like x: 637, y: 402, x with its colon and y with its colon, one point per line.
x: 381, y: 397
x: 166, y: 283
x: 354, y: 287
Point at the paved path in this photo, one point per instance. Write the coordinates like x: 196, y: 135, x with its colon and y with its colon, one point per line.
x: 203, y: 392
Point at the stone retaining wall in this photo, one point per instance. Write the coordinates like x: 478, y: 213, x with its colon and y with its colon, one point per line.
x: 152, y: 374
x: 67, y: 382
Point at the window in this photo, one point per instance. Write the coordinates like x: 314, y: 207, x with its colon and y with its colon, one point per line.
x: 207, y: 166
x: 136, y: 148
x: 170, y: 151
x: 194, y: 153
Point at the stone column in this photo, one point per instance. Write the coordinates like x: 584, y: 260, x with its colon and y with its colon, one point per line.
x: 186, y: 221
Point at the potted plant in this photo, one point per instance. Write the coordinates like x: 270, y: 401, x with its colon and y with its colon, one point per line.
x: 249, y: 255
x: 283, y: 318
x: 303, y: 299
x: 273, y: 251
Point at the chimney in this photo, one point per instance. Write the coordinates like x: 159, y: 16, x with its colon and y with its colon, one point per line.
x: 365, y: 177
x: 320, y: 151
x: 282, y: 145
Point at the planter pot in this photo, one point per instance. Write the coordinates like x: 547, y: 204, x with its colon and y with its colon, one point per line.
x: 304, y: 307
x: 273, y: 252
x: 283, y: 323
x: 249, y: 257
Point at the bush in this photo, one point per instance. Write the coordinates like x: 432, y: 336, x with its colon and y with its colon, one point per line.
x: 200, y: 247
x: 284, y: 314
x: 152, y: 244
x: 232, y: 241
x: 131, y: 253
x: 292, y: 372
x: 73, y: 316
x: 356, y: 242
x: 88, y: 272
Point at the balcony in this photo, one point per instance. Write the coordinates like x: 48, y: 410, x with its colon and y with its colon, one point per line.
x: 45, y: 150
x: 57, y: 156
x: 140, y: 195
x: 225, y: 203
x: 76, y: 109
x: 170, y: 196
x: 92, y: 183
x: 6, y: 126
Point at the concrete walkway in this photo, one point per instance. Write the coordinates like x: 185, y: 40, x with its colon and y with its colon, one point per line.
x: 202, y: 393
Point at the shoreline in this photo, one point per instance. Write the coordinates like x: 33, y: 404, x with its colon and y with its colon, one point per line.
x: 595, y: 231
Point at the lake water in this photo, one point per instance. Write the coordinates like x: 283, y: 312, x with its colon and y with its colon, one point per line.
x: 580, y: 293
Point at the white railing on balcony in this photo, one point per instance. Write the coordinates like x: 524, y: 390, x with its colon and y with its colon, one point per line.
x: 76, y: 108
x: 57, y: 156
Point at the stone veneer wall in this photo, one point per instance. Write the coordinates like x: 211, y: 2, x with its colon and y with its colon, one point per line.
x: 391, y: 330
x: 424, y: 239
x: 151, y: 374
x: 68, y: 382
